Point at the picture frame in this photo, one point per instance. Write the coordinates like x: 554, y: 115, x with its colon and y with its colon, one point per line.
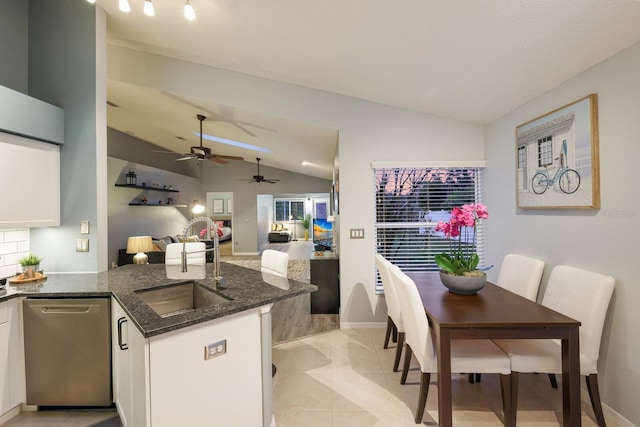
x: 218, y: 206
x: 557, y: 159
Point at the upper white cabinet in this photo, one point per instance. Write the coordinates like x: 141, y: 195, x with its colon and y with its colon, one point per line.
x: 31, y: 177
x: 23, y: 115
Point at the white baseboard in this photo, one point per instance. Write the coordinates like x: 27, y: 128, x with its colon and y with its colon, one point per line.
x: 9, y: 414
x: 362, y: 325
x: 613, y: 418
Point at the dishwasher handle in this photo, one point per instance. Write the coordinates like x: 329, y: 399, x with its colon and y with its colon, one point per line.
x: 122, y: 345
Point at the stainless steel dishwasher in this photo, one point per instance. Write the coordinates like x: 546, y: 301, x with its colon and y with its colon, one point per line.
x: 67, y: 345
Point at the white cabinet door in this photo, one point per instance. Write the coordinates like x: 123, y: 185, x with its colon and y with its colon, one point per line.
x: 130, y: 391
x: 120, y: 362
x: 4, y: 366
x: 17, y: 384
x: 12, y: 384
x: 33, y: 165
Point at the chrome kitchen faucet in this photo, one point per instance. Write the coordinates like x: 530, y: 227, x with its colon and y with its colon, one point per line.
x: 218, y: 281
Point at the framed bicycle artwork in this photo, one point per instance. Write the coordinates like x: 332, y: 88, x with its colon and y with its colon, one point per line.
x: 557, y: 164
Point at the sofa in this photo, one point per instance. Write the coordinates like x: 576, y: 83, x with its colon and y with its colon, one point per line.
x: 279, y: 233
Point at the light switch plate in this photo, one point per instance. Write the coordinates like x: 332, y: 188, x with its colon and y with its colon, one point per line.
x: 356, y: 233
x: 82, y: 245
x: 84, y: 226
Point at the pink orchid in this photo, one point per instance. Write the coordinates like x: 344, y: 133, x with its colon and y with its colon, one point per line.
x: 463, y: 258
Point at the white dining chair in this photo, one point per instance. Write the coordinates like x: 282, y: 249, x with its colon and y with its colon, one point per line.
x: 584, y: 296
x: 394, y: 316
x: 274, y: 262
x: 466, y: 355
x: 195, y: 253
x: 521, y: 275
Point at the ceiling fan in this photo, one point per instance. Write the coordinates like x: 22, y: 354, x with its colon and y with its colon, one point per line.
x: 202, y: 153
x: 259, y: 178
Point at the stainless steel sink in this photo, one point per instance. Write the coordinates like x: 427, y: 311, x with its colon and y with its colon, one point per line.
x: 180, y: 298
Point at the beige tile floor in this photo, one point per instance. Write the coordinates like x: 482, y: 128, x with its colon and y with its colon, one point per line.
x: 344, y: 378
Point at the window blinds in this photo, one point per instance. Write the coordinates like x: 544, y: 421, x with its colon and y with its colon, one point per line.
x: 410, y: 201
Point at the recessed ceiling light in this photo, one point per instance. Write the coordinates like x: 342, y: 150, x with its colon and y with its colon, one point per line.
x: 305, y: 163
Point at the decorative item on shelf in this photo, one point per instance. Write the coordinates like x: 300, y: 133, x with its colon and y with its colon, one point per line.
x: 459, y: 268
x: 143, y: 200
x: 132, y: 179
x: 138, y: 245
x: 306, y: 222
x: 30, y: 265
x: 169, y: 201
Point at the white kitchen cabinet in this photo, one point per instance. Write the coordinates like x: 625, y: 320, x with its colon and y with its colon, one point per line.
x: 32, y: 169
x: 129, y: 364
x: 170, y: 377
x: 4, y: 357
x: 12, y: 382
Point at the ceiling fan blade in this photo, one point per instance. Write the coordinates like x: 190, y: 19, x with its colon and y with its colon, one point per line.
x: 242, y: 128
x: 217, y: 159
x: 270, y: 181
x: 186, y: 158
x: 164, y: 151
x: 221, y: 156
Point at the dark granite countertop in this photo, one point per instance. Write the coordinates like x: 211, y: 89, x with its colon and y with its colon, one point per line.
x: 246, y: 287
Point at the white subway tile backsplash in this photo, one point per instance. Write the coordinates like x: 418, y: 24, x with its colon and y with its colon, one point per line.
x: 17, y: 235
x: 8, y: 248
x: 14, y: 244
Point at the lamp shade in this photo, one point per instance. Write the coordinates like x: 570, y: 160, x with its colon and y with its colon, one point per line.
x: 138, y: 245
x: 197, y: 207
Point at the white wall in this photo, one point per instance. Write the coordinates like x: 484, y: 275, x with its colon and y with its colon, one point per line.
x: 367, y: 132
x: 602, y: 240
x: 155, y: 221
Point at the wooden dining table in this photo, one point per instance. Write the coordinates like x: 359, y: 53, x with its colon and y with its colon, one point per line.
x: 496, y: 313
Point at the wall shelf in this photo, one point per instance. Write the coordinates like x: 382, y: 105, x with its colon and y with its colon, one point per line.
x: 141, y: 187
x: 157, y: 205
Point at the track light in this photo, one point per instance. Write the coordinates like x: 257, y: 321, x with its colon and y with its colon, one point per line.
x: 189, y: 13
x: 124, y: 5
x: 148, y: 8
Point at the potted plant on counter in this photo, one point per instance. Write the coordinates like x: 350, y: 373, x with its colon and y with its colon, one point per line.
x: 306, y: 222
x: 30, y: 264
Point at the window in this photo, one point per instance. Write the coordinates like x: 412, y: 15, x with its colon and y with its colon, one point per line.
x: 410, y: 201
x: 288, y: 208
x: 545, y: 151
x: 522, y: 157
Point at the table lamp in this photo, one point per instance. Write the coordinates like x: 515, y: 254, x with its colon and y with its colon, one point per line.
x: 139, y: 245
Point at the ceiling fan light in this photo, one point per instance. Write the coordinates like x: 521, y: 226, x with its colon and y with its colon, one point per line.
x: 148, y: 8
x: 189, y: 13
x: 124, y: 5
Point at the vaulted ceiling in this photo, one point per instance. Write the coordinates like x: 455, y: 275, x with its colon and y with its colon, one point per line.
x: 470, y: 60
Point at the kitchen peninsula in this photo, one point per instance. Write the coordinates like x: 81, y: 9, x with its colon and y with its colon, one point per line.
x: 211, y: 365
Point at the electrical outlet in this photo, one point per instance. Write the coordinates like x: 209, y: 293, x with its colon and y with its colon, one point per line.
x: 214, y: 350
x: 82, y: 245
